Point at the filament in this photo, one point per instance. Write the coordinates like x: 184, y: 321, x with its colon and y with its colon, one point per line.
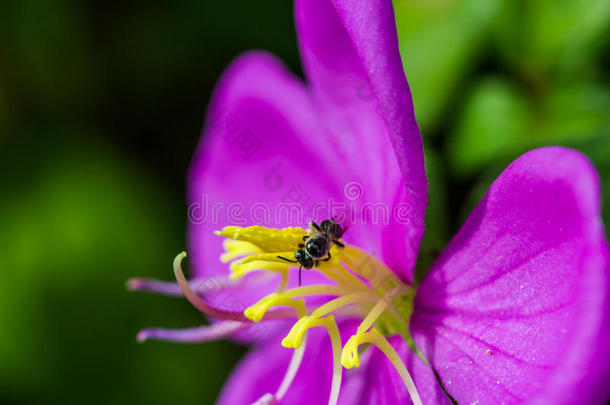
x: 387, y: 349
x: 378, y: 309
x: 202, y: 305
x: 293, y: 367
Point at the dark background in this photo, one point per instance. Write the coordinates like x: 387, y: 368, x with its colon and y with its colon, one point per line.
x: 101, y: 106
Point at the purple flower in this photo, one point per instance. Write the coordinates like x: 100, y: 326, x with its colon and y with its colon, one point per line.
x: 514, y: 310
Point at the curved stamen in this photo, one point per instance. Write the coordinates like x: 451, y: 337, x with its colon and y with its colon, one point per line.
x: 378, y: 309
x: 343, y: 301
x: 291, y: 371
x: 296, y: 340
x: 257, y: 311
x: 349, y: 358
x: 293, y: 339
x: 335, y: 340
x: 293, y: 367
x: 208, y: 309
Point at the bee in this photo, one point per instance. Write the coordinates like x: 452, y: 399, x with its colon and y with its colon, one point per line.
x: 317, y: 245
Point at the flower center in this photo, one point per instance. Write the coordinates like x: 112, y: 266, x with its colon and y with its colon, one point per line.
x: 361, y: 287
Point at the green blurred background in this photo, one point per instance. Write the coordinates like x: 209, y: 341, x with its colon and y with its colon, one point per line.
x: 101, y: 105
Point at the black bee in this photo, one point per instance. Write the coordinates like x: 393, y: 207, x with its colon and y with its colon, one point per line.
x: 317, y: 245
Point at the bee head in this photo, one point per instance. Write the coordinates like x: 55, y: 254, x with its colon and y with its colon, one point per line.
x: 304, y: 259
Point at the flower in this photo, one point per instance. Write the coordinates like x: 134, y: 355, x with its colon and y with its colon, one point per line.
x: 514, y: 310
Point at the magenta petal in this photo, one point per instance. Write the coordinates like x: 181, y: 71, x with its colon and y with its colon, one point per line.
x: 350, y: 54
x: 516, y: 308
x: 253, y: 156
x: 261, y: 371
x: 269, y: 141
x: 267, y: 144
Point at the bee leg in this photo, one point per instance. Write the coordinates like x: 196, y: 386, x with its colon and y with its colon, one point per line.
x: 327, y: 258
x: 301, y: 245
x: 288, y: 260
x: 315, y: 226
x: 305, y: 237
x: 340, y: 244
x: 300, y: 267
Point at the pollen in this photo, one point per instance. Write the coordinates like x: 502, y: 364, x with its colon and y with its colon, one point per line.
x: 266, y: 239
x: 359, y: 286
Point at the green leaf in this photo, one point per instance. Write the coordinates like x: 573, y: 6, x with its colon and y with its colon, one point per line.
x: 439, y: 42
x: 576, y: 113
x: 494, y: 124
x: 500, y: 121
x: 437, y: 218
x: 598, y: 150
x: 540, y: 36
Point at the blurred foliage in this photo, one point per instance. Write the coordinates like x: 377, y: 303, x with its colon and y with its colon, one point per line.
x: 492, y: 80
x: 101, y: 105
x: 440, y: 40
x: 437, y: 216
x: 545, y: 37
x: 78, y: 222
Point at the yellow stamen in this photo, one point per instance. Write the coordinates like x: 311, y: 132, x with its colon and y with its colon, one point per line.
x: 257, y: 311
x: 335, y: 338
x: 267, y: 244
x: 240, y: 269
x: 360, y: 279
x: 349, y: 358
x: 235, y: 249
x: 293, y: 367
x: 344, y: 274
x: 378, y: 309
x: 194, y: 298
x: 267, y: 239
x: 320, y: 289
x: 342, y: 301
x: 368, y: 266
x: 270, y: 257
